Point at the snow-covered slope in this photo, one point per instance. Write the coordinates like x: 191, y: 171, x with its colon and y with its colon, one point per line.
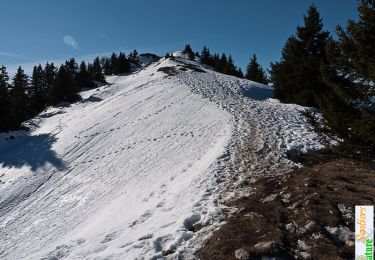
x: 128, y: 171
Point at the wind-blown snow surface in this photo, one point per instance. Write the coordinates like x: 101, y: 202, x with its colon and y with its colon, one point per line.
x: 127, y: 172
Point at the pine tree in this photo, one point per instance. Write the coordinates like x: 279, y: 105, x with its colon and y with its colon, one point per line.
x: 64, y: 87
x: 7, y: 116
x: 19, y: 94
x: 114, y: 64
x: 50, y: 72
x: 98, y: 71
x: 297, y: 77
x: 189, y: 51
x: 72, y: 66
x: 216, y: 62
x: 240, y: 73
x: 206, y: 57
x: 38, y: 89
x: 230, y: 68
x: 83, y: 77
x: 350, y: 74
x: 107, y: 67
x: 123, y: 63
x: 223, y: 63
x: 255, y: 72
x: 133, y: 57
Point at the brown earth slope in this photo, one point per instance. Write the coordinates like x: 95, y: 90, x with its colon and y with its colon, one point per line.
x: 306, y: 214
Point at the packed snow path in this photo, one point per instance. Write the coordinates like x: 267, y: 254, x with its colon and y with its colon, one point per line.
x: 128, y: 171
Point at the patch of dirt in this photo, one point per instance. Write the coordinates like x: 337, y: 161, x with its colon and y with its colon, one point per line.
x: 305, y: 214
x: 168, y: 70
x: 191, y: 67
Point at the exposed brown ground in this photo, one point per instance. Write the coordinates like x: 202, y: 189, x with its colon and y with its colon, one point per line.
x: 291, y: 216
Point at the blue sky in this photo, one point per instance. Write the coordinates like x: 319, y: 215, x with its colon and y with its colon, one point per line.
x: 34, y: 31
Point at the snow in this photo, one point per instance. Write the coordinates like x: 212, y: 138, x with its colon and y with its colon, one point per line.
x: 127, y: 172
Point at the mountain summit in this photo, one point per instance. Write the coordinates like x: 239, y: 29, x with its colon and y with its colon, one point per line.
x: 141, y: 167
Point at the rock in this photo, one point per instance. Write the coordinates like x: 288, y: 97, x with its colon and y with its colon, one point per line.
x: 296, y: 204
x: 305, y: 255
x: 269, y: 198
x: 341, y: 235
x: 253, y: 215
x: 302, y: 245
x: 346, y: 212
x: 317, y: 235
x: 310, y: 225
x: 241, y: 254
x: 310, y: 183
x: 290, y: 227
x: 264, y: 247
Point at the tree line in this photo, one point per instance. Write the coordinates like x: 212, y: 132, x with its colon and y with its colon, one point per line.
x: 335, y: 75
x: 226, y: 65
x: 24, y: 97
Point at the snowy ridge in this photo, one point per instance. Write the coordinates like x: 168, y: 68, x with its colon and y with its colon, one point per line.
x: 127, y: 172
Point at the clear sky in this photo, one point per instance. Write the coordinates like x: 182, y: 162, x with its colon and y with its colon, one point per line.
x: 40, y: 30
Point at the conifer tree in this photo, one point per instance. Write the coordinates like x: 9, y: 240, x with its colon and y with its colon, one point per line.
x: 114, y: 64
x: 133, y: 57
x: 38, y: 89
x: 6, y: 106
x: 189, y: 51
x: 107, y: 66
x: 123, y: 63
x: 97, y: 71
x: 230, y: 68
x: 216, y: 62
x: 240, y: 73
x: 223, y: 63
x: 206, y: 56
x: 348, y: 109
x: 296, y: 77
x: 83, y: 77
x: 255, y: 72
x: 19, y: 94
x: 50, y: 72
x: 72, y: 66
x: 64, y: 88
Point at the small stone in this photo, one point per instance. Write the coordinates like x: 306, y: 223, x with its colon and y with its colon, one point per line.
x: 290, y: 227
x: 253, y: 215
x: 296, y: 204
x: 302, y: 245
x: 341, y: 235
x: 310, y: 225
x: 269, y: 198
x: 310, y: 183
x: 263, y: 247
x: 241, y: 254
x: 305, y: 255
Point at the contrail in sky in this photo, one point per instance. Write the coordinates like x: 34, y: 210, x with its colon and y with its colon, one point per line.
x: 110, y: 40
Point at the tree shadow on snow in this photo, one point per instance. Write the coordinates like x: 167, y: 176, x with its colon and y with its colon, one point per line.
x: 29, y: 150
x: 92, y: 99
x: 259, y: 93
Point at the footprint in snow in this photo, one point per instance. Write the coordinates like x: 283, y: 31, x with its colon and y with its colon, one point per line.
x: 111, y: 236
x: 160, y: 204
